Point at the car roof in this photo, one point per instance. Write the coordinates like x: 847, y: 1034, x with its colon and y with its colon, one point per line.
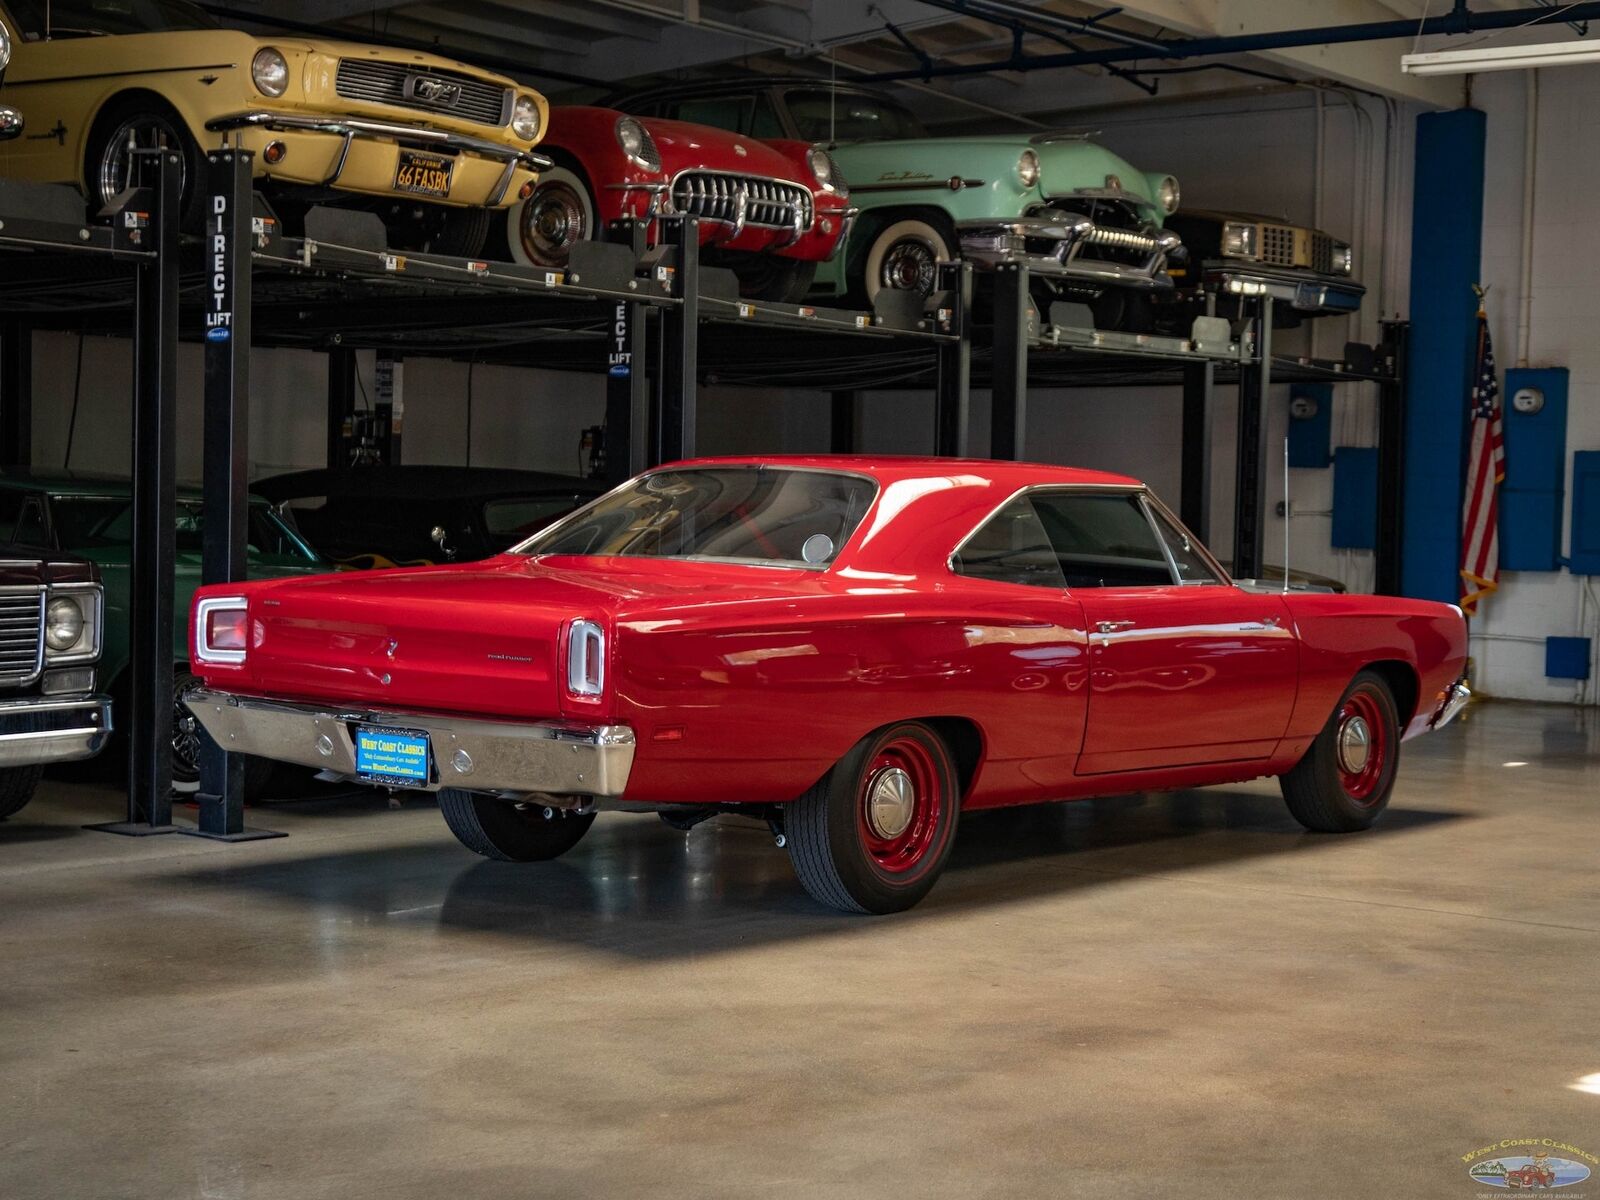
x: 736, y: 83
x: 421, y: 482
x: 64, y: 481
x: 894, y: 468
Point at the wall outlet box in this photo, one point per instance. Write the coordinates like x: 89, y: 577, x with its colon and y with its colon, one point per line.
x: 1566, y: 658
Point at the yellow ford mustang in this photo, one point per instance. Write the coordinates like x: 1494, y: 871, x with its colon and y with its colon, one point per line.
x: 429, y: 143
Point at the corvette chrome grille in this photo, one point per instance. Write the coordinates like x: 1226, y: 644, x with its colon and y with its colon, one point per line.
x: 426, y: 89
x: 21, y: 635
x: 720, y: 196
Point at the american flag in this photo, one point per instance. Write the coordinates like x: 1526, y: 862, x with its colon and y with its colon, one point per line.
x: 1486, y: 470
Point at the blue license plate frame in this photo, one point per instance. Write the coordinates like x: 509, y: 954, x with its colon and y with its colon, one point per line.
x: 394, y: 757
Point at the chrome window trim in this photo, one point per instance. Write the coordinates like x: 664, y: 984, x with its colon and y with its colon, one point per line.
x: 1195, y: 543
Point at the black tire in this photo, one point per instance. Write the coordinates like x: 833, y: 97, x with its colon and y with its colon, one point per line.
x: 186, y: 741
x: 541, y: 230
x: 901, y: 255
x: 462, y: 233
x: 842, y: 860
x: 510, y: 832
x: 777, y: 280
x: 17, y: 785
x: 154, y: 122
x: 1329, y: 790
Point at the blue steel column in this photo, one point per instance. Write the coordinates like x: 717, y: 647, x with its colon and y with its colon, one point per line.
x: 1446, y: 244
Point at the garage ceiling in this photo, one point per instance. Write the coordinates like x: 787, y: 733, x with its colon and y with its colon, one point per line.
x: 576, y: 48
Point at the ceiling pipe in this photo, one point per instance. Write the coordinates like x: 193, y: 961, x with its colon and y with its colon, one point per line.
x: 1461, y: 19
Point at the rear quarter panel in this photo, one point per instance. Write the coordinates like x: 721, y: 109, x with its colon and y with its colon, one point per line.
x: 1341, y: 635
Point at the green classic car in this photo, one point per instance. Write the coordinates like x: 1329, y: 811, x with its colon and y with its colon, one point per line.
x: 1085, y: 221
x: 92, y: 515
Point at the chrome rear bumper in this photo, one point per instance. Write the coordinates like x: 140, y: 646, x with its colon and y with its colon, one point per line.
x: 554, y: 758
x: 1450, y: 703
x: 53, y: 729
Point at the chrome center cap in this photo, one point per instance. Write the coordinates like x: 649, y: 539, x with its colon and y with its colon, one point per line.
x: 1355, y: 745
x: 891, y: 800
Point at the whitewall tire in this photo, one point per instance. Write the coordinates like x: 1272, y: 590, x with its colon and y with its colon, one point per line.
x: 542, y: 229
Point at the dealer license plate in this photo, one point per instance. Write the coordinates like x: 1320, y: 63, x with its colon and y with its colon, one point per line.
x: 392, y: 756
x: 423, y: 174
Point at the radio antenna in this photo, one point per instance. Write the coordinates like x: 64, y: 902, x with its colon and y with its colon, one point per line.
x: 1288, y: 511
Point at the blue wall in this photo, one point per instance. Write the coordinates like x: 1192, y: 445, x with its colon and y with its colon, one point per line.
x: 1446, y: 242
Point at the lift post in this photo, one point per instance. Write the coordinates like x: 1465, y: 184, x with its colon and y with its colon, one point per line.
x: 1391, y: 460
x: 953, y: 368
x: 341, y: 406
x: 16, y: 392
x: 1008, y: 412
x: 678, y: 365
x: 226, y: 440
x: 627, y: 378
x: 1250, y: 497
x: 155, y: 403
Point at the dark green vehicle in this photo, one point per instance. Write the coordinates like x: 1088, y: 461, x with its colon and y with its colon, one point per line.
x: 92, y: 516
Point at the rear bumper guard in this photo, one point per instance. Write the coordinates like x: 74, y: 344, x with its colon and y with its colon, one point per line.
x: 553, y: 758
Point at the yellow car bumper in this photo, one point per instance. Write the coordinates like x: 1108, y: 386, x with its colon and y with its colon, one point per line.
x: 354, y: 154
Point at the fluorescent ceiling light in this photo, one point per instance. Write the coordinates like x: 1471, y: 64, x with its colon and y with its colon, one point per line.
x: 1500, y: 58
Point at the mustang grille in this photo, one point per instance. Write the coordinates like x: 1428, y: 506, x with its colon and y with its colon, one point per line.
x: 445, y: 92
x: 21, y: 635
x: 767, y: 203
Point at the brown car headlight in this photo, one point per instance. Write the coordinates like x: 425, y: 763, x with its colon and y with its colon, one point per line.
x: 1238, y: 239
x: 270, y: 72
x: 72, y: 625
x: 1343, y: 259
x: 525, y: 119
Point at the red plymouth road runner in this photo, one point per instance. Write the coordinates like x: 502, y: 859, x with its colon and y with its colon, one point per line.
x: 856, y: 649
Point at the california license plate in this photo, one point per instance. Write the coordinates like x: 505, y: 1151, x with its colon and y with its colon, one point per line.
x: 392, y: 756
x: 423, y: 174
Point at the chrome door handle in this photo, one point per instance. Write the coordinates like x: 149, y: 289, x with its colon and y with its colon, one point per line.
x: 1113, y: 626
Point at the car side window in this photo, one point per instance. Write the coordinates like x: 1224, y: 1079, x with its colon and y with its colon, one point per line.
x: 764, y: 122
x: 10, y: 510
x: 1011, y: 547
x: 1103, y: 539
x: 1191, y: 566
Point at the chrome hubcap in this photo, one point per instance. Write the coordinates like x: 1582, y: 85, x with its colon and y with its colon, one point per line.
x: 891, y: 800
x: 1355, y: 745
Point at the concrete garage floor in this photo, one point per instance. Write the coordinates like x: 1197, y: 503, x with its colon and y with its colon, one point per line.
x: 1176, y: 995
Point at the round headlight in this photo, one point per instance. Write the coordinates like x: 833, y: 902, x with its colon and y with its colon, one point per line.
x: 1169, y: 194
x: 1028, y: 168
x: 637, y: 144
x: 63, y: 623
x: 525, y: 119
x: 270, y: 71
x: 825, y: 169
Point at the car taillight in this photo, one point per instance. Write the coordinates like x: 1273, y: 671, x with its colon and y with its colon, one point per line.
x: 586, y: 660
x: 224, y: 630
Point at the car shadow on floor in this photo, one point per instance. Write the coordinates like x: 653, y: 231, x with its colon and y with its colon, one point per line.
x: 638, y: 889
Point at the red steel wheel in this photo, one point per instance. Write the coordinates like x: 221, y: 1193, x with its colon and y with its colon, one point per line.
x: 874, y: 833
x: 1344, y: 781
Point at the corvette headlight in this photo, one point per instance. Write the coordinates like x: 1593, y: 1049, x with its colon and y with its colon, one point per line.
x: 270, y: 72
x: 825, y: 170
x: 525, y: 119
x: 63, y: 623
x: 1169, y: 193
x: 1343, y: 259
x: 1238, y: 239
x: 1028, y: 168
x: 638, y: 145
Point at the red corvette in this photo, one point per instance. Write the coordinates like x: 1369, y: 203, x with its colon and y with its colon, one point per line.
x: 770, y: 210
x: 856, y: 649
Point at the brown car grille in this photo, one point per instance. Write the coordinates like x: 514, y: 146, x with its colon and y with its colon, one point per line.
x: 718, y: 195
x: 425, y: 89
x: 21, y: 634
x: 1277, y: 245
x: 1321, y: 253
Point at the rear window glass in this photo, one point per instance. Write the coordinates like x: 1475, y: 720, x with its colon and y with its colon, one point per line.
x: 771, y: 516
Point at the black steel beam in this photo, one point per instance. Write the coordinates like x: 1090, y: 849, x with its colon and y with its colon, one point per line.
x: 1194, y: 501
x: 1008, y: 403
x: 842, y: 422
x: 1250, y: 495
x: 1391, y: 460
x: 155, y: 403
x: 678, y: 365
x: 1459, y: 20
x: 341, y: 406
x: 16, y: 392
x: 627, y: 377
x: 953, y: 366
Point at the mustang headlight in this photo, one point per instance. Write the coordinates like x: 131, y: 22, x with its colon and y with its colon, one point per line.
x: 1028, y: 168
x: 270, y: 72
x: 637, y: 144
x: 525, y: 119
x: 1169, y: 193
x: 63, y: 623
x: 1343, y: 259
x: 1238, y: 239
x: 825, y: 170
